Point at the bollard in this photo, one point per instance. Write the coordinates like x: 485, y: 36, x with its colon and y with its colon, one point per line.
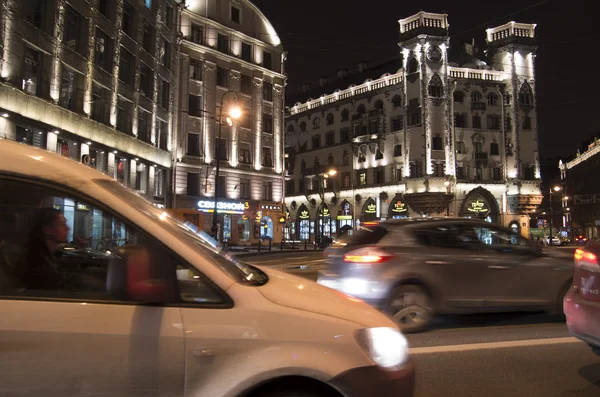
x: 270, y: 244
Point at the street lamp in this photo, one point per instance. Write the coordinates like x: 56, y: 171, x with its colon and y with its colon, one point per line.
x: 233, y: 113
x: 554, y: 189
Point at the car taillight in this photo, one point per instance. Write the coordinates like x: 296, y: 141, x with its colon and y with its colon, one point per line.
x: 368, y: 255
x: 586, y: 260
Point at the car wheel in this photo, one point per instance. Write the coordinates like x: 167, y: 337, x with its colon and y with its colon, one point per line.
x: 410, y: 307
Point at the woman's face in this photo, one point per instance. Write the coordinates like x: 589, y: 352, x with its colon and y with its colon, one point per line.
x: 58, y: 229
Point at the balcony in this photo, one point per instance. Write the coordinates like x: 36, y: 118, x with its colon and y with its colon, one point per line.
x: 478, y: 105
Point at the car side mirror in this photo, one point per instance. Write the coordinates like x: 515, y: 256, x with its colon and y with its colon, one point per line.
x: 130, y: 277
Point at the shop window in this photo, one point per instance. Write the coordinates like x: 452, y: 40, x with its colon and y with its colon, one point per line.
x: 266, y: 228
x: 243, y: 229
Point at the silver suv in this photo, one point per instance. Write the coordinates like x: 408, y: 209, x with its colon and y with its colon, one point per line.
x: 413, y: 269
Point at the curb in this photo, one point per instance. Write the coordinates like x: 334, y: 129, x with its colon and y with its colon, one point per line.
x: 262, y: 253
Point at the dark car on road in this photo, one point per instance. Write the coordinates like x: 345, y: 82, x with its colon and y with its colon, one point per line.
x: 414, y: 269
x: 582, y: 303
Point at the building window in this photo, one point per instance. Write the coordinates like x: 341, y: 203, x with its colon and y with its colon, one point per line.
x: 362, y: 178
x: 268, y: 190
x: 529, y: 173
x: 195, y: 69
x: 102, y: 51
x: 345, y: 115
x: 526, y: 95
x: 362, y: 157
x: 303, y: 126
x: 146, y: 80
x: 73, y: 35
x: 345, y: 135
x: 267, y: 160
x: 124, y: 116
x: 165, y: 56
x: 493, y: 122
x: 508, y: 124
x: 193, y: 184
x: 475, y: 96
x: 267, y: 60
x: 396, y: 101
x: 168, y: 16
x: 246, y: 121
x: 345, y: 158
x: 478, y: 147
x: 245, y: 188
x: 104, y: 8
x: 316, y: 123
x: 438, y: 169
x: 494, y: 149
x: 235, y: 14
x: 379, y: 176
x: 128, y: 25
x: 268, y: 91
x: 148, y: 4
x: 246, y: 85
x: 223, y: 43
x: 289, y: 186
x: 144, y: 126
x: 476, y: 121
x: 436, y: 87
x: 346, y: 180
x: 436, y: 143
x: 496, y: 173
x: 412, y: 65
x: 267, y: 123
x: 148, y: 40
x: 163, y: 134
x: 126, y: 67
x: 68, y: 89
x: 492, y: 99
x: 330, y: 139
x: 397, y: 150
x: 246, y: 52
x: 478, y: 173
x: 164, y: 94
x: 193, y: 144
x: 397, y: 123
x: 101, y: 99
x: 197, y: 35
x: 244, y: 153
x: 34, y: 11
x: 527, y: 123
x: 416, y: 170
x: 460, y: 120
x: 221, y: 149
x: 459, y: 96
x: 414, y: 117
x: 378, y: 155
x: 222, y: 77
x: 159, y: 183
x: 329, y: 119
x: 461, y: 172
x: 316, y: 142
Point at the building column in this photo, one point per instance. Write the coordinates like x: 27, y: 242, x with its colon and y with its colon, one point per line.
x: 278, y: 98
x: 234, y: 85
x: 209, y: 107
x: 88, y: 82
x: 257, y: 100
x: 132, y: 173
x: 51, y: 141
x: 114, y: 107
x: 151, y: 176
x: 110, y: 165
x: 8, y: 129
x: 11, y: 61
x: 56, y: 69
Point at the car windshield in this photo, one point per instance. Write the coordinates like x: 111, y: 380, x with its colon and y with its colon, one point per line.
x: 187, y: 232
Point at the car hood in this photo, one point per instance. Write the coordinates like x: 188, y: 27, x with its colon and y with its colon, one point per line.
x: 298, y: 293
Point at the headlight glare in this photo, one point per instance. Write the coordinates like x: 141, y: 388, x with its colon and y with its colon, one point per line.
x: 387, y: 347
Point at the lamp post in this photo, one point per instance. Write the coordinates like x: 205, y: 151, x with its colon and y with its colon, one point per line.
x: 324, y: 175
x: 553, y: 190
x: 234, y: 113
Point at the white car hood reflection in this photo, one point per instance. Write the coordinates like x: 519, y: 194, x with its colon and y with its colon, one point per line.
x: 295, y: 292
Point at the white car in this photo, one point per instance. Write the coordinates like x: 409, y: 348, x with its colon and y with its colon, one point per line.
x: 163, y: 312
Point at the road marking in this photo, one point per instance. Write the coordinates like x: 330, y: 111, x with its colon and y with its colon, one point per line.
x: 492, y: 345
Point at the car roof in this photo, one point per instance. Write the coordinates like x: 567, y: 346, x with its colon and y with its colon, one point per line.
x: 21, y: 159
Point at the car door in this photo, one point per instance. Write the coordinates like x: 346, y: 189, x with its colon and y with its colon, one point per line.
x: 72, y: 337
x: 513, y: 265
x: 452, y: 257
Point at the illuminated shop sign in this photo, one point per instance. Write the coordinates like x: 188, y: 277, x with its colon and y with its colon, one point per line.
x: 371, y: 209
x: 399, y: 207
x: 304, y: 215
x: 478, y: 207
x: 223, y: 207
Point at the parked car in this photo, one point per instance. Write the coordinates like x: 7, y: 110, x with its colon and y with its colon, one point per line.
x: 581, y: 240
x: 565, y: 241
x: 582, y: 302
x: 167, y: 313
x: 556, y: 241
x: 416, y: 268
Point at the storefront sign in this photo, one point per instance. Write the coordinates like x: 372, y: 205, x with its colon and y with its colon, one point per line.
x: 222, y: 207
x: 258, y: 217
x: 399, y: 207
x: 304, y: 215
x: 281, y: 219
x: 324, y: 212
x: 478, y: 207
x: 371, y: 209
x: 344, y: 217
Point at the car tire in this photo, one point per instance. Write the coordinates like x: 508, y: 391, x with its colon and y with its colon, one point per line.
x: 410, y: 306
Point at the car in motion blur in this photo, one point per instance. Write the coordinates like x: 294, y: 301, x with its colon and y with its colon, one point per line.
x: 582, y: 302
x: 413, y: 269
x: 167, y: 312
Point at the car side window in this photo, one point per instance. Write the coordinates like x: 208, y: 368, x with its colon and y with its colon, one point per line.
x: 448, y: 236
x: 55, y: 246
x: 500, y: 238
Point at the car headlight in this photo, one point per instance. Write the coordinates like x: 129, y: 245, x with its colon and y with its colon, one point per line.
x: 387, y: 347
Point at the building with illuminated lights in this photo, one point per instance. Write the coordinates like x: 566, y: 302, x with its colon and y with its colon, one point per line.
x: 93, y: 81
x: 442, y: 130
x: 230, y: 57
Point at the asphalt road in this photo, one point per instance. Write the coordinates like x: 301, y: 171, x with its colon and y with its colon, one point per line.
x: 495, y: 355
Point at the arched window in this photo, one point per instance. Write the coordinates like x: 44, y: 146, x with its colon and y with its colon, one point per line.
x: 330, y: 159
x: 360, y: 109
x: 526, y: 95
x: 459, y: 96
x: 329, y: 119
x: 412, y: 66
x: 492, y: 99
x: 379, y: 104
x: 475, y: 96
x: 290, y: 128
x: 396, y: 101
x: 303, y: 126
x: 436, y: 87
x: 316, y: 123
x: 345, y: 115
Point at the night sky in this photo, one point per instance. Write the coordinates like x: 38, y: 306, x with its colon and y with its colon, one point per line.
x: 322, y: 36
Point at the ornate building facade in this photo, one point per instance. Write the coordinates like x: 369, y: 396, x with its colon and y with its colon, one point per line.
x: 93, y: 80
x: 439, y: 131
x: 230, y: 56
